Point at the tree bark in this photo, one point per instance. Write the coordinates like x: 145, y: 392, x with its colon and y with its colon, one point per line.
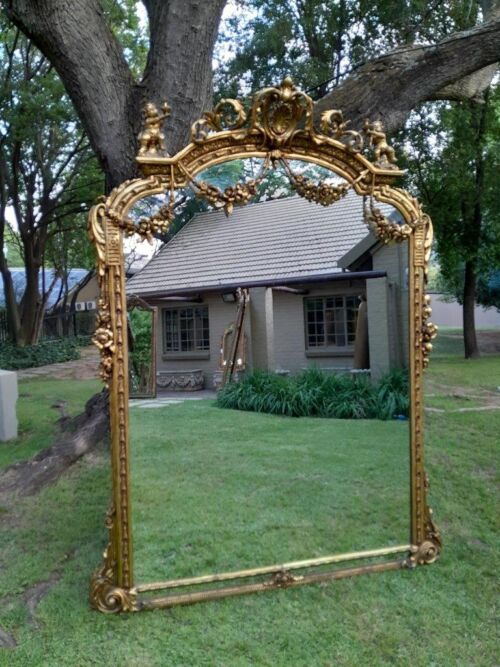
x: 389, y: 87
x: 13, y: 321
x: 468, y: 311
x: 473, y: 231
x: 31, y: 300
x: 77, y: 40
x: 78, y: 437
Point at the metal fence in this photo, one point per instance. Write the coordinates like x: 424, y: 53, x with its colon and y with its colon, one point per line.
x: 58, y: 326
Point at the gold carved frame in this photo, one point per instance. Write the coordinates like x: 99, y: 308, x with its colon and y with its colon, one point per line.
x: 277, y: 128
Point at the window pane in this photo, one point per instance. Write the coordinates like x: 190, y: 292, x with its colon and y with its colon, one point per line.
x: 186, y: 329
x: 331, y: 321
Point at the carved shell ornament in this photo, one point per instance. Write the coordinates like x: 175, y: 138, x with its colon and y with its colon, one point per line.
x: 277, y: 127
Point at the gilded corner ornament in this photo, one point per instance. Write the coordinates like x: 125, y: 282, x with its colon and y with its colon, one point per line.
x: 104, y: 594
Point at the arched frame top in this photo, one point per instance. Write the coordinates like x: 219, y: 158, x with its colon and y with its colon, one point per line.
x: 277, y: 128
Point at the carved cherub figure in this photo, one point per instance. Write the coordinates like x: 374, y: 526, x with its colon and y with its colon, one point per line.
x: 384, y: 154
x: 152, y: 139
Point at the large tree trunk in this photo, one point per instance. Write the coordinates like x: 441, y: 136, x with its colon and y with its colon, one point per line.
x: 79, y: 43
x: 469, y: 303
x: 30, y: 303
x: 13, y: 320
x: 472, y: 232
x: 78, y: 436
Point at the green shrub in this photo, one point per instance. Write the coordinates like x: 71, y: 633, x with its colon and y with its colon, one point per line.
x: 46, y: 352
x: 314, y: 393
x: 82, y: 341
x: 140, y: 367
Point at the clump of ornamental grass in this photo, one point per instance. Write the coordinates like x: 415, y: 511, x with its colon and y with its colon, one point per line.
x: 315, y: 393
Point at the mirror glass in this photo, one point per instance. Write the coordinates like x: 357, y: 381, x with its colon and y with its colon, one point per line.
x: 280, y: 429
x: 141, y: 336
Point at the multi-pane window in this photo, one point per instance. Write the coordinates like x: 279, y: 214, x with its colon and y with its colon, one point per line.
x: 186, y: 329
x: 331, y: 321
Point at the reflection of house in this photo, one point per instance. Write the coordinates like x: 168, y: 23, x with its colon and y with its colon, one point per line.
x: 305, y: 266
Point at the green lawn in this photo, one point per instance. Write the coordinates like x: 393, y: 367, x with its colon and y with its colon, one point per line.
x: 439, y: 615
x: 219, y: 490
x: 37, y: 414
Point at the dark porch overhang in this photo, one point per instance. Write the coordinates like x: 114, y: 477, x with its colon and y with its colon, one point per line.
x: 274, y: 282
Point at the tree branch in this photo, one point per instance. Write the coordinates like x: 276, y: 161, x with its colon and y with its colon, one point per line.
x: 76, y: 38
x: 389, y: 87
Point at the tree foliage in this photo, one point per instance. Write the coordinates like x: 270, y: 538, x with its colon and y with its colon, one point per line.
x: 320, y: 43
x: 455, y: 166
x: 48, y: 177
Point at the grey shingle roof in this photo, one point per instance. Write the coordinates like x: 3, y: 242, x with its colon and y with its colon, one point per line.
x: 277, y: 239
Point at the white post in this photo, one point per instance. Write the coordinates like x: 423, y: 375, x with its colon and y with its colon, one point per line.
x: 8, y: 400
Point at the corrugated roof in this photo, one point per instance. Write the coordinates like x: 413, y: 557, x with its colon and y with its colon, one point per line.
x: 19, y: 280
x: 276, y: 239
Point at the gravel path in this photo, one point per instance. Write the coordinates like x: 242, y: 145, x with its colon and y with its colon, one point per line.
x: 85, y: 368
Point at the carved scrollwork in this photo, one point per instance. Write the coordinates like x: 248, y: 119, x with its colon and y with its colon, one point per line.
x: 104, y: 595
x: 333, y: 125
x: 280, y: 114
x: 426, y: 553
x: 229, y: 114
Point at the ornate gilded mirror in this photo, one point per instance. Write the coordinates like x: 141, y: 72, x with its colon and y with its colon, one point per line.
x: 297, y: 290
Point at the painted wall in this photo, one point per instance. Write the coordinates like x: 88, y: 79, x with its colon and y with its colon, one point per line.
x: 290, y: 351
x: 391, y: 323
x: 446, y: 314
x: 89, y: 292
x: 220, y: 315
x: 275, y: 326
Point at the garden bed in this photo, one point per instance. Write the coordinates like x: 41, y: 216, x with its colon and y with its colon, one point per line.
x: 314, y: 393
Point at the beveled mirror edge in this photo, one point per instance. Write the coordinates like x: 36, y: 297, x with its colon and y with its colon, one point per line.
x: 253, y: 135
